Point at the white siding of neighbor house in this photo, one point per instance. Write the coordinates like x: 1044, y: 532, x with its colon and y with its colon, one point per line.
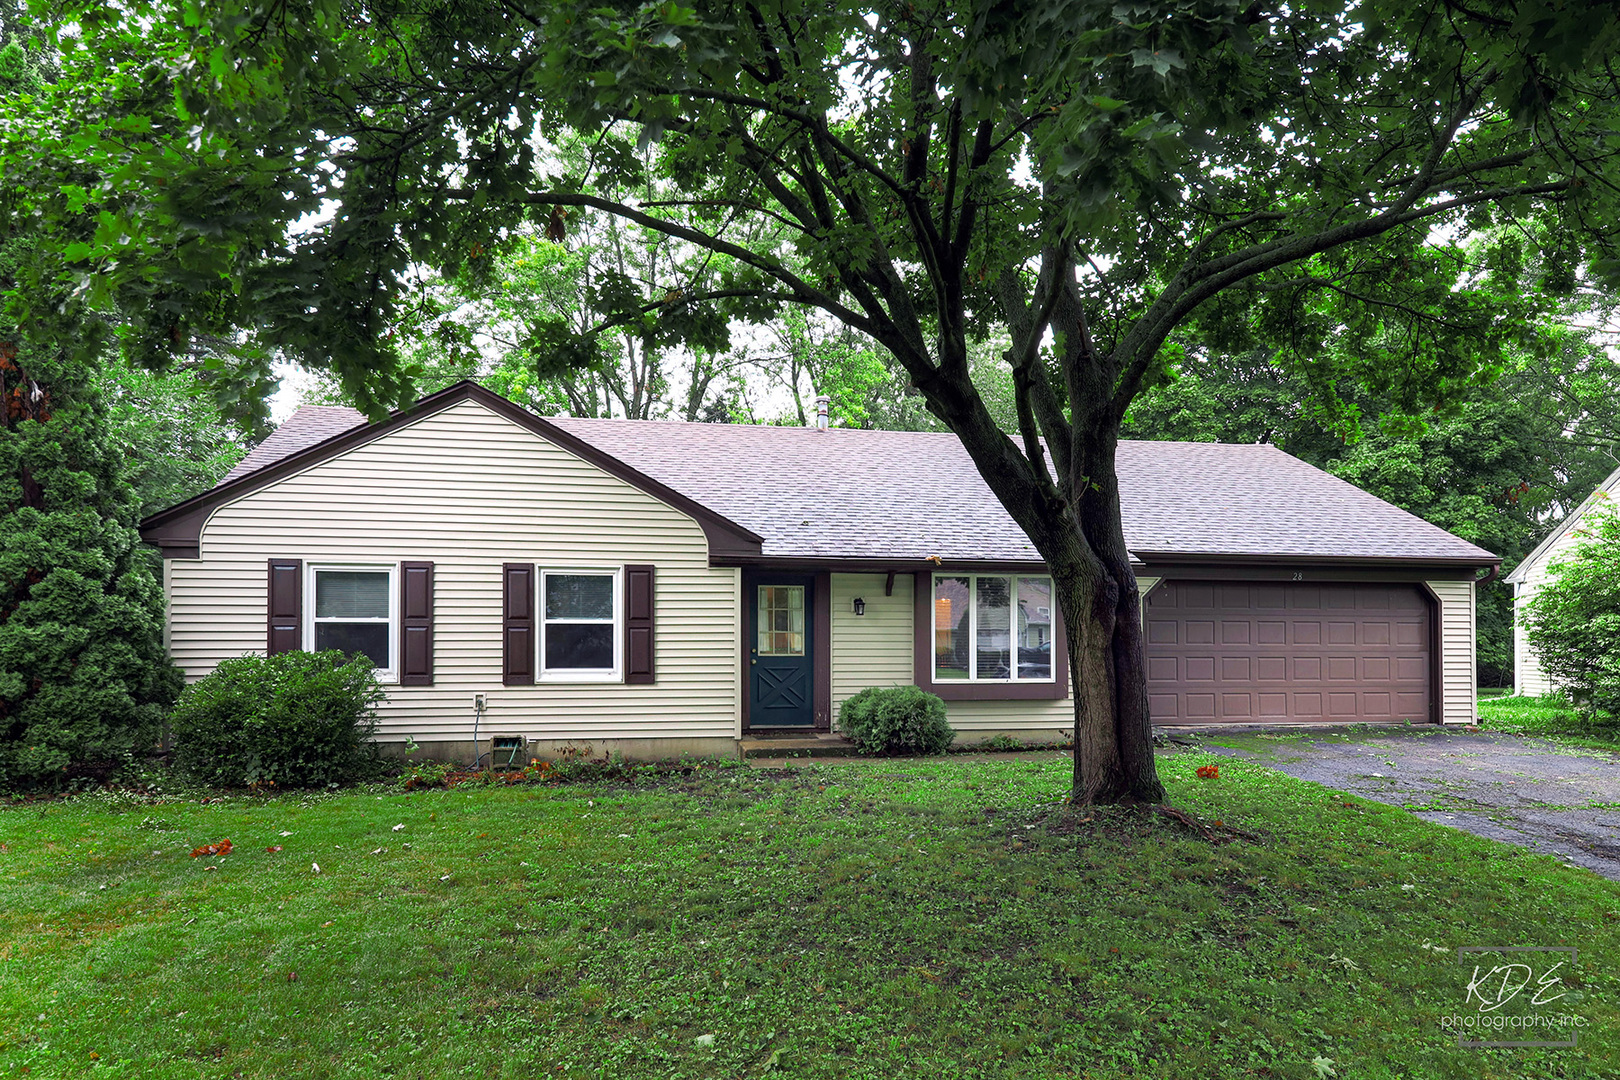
x: 1528, y: 678
x: 1457, y: 673
x: 1530, y: 576
x: 469, y: 490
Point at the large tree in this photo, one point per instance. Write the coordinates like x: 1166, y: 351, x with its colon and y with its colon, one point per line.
x: 1083, y: 177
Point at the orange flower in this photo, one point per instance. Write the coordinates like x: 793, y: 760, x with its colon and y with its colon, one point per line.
x: 1208, y: 772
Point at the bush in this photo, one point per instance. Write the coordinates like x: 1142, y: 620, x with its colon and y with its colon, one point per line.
x: 294, y: 720
x: 1574, y: 619
x: 896, y: 720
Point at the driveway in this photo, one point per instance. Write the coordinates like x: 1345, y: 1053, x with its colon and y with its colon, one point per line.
x: 1553, y: 799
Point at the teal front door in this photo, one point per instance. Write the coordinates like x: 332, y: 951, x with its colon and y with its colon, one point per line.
x: 779, y: 638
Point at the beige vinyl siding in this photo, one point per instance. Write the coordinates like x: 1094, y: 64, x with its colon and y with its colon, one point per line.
x: 469, y: 490
x: 875, y: 649
x: 1457, y: 705
x: 1144, y: 585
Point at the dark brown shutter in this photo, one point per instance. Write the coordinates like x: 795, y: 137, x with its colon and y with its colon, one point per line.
x: 517, y: 624
x: 638, y: 624
x: 286, y: 607
x: 416, y: 624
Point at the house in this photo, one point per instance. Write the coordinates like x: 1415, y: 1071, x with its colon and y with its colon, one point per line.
x: 1528, y: 577
x: 659, y: 587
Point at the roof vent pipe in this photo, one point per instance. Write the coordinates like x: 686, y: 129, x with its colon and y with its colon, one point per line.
x: 822, y: 402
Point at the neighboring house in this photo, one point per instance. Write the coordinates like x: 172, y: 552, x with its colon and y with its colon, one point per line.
x: 1528, y: 577
x: 659, y: 587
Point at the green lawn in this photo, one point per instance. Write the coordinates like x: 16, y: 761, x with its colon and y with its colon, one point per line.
x: 1551, y: 717
x: 891, y: 919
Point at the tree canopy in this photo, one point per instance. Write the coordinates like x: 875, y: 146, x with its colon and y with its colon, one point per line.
x: 1086, y: 179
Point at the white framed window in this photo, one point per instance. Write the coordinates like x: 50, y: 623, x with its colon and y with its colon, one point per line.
x: 992, y: 628
x: 581, y: 625
x: 355, y: 607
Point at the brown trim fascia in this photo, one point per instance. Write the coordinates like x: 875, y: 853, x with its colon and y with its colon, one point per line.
x: 922, y: 668
x: 862, y: 565
x: 1151, y: 559
x: 821, y: 662
x: 177, y: 531
x: 1258, y: 567
x: 1437, y: 656
x: 1286, y: 572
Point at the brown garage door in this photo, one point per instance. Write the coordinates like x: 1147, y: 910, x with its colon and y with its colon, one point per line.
x: 1247, y: 652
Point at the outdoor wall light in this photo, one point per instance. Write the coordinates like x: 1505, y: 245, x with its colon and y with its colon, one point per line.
x: 860, y: 606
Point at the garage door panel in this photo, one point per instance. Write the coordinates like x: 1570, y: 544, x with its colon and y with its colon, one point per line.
x: 1164, y: 706
x: 1255, y: 651
x: 1342, y: 706
x: 1270, y: 598
x: 1198, y: 596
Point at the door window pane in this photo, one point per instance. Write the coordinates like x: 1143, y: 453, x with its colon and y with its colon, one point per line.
x: 351, y: 594
x: 579, y: 596
x: 952, y: 614
x: 780, y: 617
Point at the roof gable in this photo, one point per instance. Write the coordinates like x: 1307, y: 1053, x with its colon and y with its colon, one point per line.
x: 1541, y: 551
x: 177, y: 531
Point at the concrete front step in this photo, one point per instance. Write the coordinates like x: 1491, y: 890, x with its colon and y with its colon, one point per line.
x: 796, y: 745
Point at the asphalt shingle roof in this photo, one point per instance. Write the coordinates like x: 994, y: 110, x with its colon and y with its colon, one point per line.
x: 311, y: 424
x: 902, y: 495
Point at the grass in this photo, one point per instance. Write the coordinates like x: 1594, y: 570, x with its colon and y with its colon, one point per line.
x: 1549, y: 717
x: 945, y: 918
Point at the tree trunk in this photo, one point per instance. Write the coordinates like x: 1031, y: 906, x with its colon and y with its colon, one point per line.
x: 1082, y: 539
x: 1113, y: 735
x: 1096, y: 589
